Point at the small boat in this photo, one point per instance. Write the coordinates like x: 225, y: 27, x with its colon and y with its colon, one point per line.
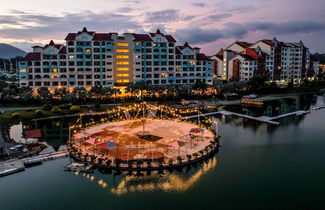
x: 78, y: 167
x: 252, y: 102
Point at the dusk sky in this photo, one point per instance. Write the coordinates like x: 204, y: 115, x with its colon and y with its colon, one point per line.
x: 209, y: 24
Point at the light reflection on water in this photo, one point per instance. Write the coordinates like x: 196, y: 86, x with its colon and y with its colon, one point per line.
x: 164, y: 182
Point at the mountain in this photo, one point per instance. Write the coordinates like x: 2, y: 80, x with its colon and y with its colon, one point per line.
x: 8, y: 51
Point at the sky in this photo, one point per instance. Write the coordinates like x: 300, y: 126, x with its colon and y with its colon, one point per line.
x: 208, y: 24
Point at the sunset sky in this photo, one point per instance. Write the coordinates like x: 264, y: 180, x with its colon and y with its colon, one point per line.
x: 209, y: 24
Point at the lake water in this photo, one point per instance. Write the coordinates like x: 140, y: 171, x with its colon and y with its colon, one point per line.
x: 258, y: 166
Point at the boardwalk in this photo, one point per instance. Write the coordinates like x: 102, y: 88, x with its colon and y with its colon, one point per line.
x: 16, y: 165
x: 264, y: 119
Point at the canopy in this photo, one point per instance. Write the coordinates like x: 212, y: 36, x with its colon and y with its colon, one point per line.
x: 33, y: 134
x: 197, y: 130
x: 91, y: 141
x: 81, y: 135
x: 176, y: 144
x: 107, y: 145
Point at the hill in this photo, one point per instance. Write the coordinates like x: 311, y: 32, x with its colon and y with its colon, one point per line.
x: 8, y: 51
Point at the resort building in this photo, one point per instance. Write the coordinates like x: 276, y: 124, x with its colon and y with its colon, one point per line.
x: 278, y: 61
x: 89, y: 58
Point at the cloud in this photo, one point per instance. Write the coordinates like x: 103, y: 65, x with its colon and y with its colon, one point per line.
x: 288, y: 27
x: 125, y: 9
x: 38, y: 26
x: 197, y: 35
x: 166, y: 15
x: 199, y: 4
x: 232, y: 30
x: 217, y: 17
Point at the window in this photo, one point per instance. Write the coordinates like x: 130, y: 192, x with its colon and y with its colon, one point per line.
x: 122, y: 62
x: 122, y: 50
x: 122, y: 75
x: 71, y: 57
x: 87, y: 50
x: 122, y: 56
x: 123, y: 80
x: 120, y: 44
x: 22, y: 70
x: 122, y: 69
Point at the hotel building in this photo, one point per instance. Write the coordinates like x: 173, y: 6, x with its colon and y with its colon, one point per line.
x: 89, y: 58
x: 278, y: 61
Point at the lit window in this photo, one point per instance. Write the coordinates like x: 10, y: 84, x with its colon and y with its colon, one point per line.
x: 54, y: 76
x: 120, y: 44
x: 122, y: 56
x: 71, y: 57
x: 164, y: 75
x: 192, y: 62
x: 88, y: 50
x: 122, y: 62
x: 123, y: 80
x: 122, y: 75
x: 22, y: 70
x: 122, y: 69
x: 178, y: 68
x: 122, y: 50
x: 138, y: 43
x: 55, y: 70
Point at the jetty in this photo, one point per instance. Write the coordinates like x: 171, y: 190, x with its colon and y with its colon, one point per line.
x: 12, y: 166
x: 264, y: 119
x: 318, y: 107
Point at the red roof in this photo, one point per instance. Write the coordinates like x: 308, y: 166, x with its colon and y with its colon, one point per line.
x: 202, y: 56
x: 170, y: 38
x: 63, y: 50
x: 142, y: 37
x: 71, y: 36
x: 268, y: 42
x: 102, y: 36
x: 243, y: 44
x: 33, y: 134
x: 34, y: 56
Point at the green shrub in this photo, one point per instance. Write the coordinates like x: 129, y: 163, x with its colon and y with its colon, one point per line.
x: 39, y: 112
x: 56, y: 110
x: 65, y: 106
x: 29, y: 109
x: 75, y: 108
x: 47, y: 107
x: 15, y: 115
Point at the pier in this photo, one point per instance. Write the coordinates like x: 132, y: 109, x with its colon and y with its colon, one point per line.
x: 264, y: 119
x: 12, y: 166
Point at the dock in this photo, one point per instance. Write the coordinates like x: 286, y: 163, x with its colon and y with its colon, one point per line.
x: 264, y: 119
x: 318, y: 107
x: 12, y: 166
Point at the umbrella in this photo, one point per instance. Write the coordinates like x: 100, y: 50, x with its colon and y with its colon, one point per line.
x: 197, y: 130
x: 91, y: 141
x: 176, y: 144
x: 81, y: 135
x: 107, y: 145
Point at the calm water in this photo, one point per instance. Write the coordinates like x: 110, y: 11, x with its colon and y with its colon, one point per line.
x: 258, y: 166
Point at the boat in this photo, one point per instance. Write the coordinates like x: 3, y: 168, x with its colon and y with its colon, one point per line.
x: 78, y: 167
x: 252, y: 102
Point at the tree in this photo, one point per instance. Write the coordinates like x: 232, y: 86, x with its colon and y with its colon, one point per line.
x: 201, y: 86
x: 44, y: 93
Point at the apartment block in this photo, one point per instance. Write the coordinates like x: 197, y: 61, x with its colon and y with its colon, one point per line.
x: 275, y: 60
x: 88, y: 58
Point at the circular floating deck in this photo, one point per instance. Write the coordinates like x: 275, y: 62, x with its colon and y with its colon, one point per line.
x: 157, y: 141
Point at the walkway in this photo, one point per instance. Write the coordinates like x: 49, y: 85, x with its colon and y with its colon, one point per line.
x: 264, y: 119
